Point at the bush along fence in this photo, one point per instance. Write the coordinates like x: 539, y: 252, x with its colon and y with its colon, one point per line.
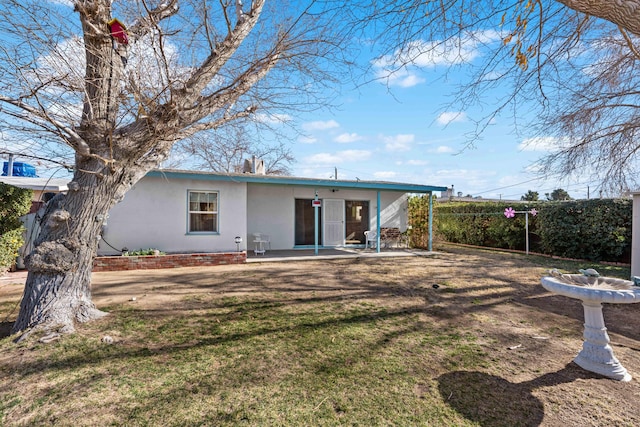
x: 595, y: 230
x: 14, y: 202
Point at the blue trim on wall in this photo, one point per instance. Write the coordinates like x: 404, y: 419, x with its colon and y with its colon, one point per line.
x: 288, y: 180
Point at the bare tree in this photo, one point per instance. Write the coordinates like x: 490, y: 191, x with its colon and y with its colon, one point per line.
x: 574, y: 63
x: 225, y: 151
x: 76, y: 84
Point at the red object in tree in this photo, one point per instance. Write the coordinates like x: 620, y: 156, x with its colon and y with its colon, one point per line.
x: 118, y: 31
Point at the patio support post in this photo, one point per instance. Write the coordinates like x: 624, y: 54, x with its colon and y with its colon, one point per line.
x: 315, y: 227
x: 378, y: 223
x: 430, y: 221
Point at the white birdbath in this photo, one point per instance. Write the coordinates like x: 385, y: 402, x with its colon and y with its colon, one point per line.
x: 596, y: 354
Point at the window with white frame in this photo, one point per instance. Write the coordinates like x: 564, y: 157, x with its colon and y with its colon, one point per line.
x: 203, y: 212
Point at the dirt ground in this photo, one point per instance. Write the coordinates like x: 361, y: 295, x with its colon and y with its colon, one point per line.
x: 530, y: 335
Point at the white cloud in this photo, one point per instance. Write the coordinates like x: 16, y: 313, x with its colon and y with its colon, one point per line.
x: 399, y: 69
x: 452, y: 51
x: 66, y: 62
x: 409, y: 81
x: 396, y: 75
x: 339, y: 157
x: 544, y: 143
x: 400, y: 142
x: 145, y: 65
x: 449, y: 117
x: 430, y: 54
x: 69, y: 111
x: 62, y: 2
x: 345, y: 138
x: 385, y: 174
x: 273, y: 119
x: 320, y: 125
x: 474, y: 180
x: 403, y: 78
x: 442, y: 149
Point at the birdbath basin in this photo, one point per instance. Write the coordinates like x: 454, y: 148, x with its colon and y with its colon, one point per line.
x: 593, y: 290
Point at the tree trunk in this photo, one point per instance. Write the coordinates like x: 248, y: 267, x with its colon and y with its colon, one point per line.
x: 58, y: 289
x: 622, y: 13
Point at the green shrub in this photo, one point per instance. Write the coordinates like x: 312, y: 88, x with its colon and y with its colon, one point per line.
x: 143, y: 252
x: 484, y: 224
x: 596, y: 230
x: 10, y: 243
x: 14, y: 203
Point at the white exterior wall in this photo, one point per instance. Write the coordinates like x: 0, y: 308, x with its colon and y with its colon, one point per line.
x: 635, y: 236
x: 154, y: 215
x: 271, y: 210
x: 394, y: 210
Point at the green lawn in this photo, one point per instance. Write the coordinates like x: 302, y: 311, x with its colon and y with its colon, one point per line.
x: 367, y: 342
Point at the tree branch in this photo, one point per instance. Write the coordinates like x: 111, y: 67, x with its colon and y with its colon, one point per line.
x: 220, y: 55
x: 41, y: 119
x: 632, y: 47
x: 215, y: 124
x: 154, y: 16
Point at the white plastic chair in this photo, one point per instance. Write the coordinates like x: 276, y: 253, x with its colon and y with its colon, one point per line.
x: 260, y: 240
x: 370, y: 236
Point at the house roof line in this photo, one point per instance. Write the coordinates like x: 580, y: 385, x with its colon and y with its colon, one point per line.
x: 37, y: 183
x: 295, y: 181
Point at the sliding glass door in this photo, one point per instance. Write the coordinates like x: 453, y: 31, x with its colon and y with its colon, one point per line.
x: 357, y: 221
x: 342, y: 222
x: 305, y: 223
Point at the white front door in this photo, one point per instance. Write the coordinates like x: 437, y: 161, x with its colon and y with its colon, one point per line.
x: 333, y: 221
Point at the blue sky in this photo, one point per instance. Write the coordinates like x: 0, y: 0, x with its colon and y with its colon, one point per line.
x: 400, y: 130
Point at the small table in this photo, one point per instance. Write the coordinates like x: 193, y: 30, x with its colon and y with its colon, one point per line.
x: 259, y: 246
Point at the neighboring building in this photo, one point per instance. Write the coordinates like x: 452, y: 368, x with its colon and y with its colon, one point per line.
x: 40, y: 187
x: 185, y: 211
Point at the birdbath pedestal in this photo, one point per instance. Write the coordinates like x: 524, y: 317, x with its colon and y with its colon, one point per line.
x: 596, y: 354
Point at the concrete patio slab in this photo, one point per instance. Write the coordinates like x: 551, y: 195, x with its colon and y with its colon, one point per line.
x: 333, y: 253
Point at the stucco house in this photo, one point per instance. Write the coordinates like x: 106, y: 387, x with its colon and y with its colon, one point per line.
x: 179, y: 211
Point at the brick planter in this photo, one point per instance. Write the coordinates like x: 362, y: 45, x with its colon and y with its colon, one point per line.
x: 149, y: 262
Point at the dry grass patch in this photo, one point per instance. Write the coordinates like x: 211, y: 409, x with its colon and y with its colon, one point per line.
x: 342, y: 342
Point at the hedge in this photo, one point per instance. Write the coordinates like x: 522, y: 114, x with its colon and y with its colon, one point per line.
x: 596, y: 230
